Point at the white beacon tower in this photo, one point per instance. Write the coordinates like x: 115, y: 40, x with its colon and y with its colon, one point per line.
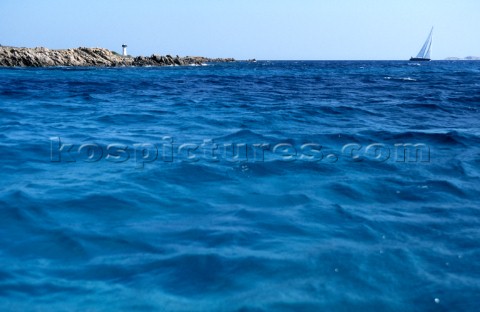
x: 124, y: 46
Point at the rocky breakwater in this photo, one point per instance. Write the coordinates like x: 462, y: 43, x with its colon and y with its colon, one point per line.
x: 43, y: 57
x: 168, y: 60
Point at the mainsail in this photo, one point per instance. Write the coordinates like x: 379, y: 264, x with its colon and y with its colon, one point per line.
x: 425, y: 51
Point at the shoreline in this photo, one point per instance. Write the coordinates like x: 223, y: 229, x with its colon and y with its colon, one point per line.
x: 92, y: 57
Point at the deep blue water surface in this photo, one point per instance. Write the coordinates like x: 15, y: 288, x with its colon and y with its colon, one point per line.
x: 324, y: 207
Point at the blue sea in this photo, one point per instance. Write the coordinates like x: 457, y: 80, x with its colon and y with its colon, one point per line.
x: 268, y: 186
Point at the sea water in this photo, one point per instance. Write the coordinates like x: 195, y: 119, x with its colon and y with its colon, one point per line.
x: 268, y: 186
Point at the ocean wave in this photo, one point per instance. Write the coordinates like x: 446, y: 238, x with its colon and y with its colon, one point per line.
x: 230, y: 234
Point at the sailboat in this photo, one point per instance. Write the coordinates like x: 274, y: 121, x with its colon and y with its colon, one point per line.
x: 424, y: 54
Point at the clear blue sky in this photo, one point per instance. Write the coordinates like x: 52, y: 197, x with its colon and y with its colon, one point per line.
x: 262, y: 29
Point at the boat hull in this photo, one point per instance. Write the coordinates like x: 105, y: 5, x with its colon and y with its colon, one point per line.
x: 420, y: 59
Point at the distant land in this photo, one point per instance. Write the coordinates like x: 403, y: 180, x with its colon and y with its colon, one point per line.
x: 468, y: 58
x: 100, y: 57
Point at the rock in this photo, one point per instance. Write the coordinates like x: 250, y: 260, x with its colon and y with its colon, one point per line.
x: 178, y: 61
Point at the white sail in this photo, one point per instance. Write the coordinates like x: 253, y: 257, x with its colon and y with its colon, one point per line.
x: 429, y: 49
x: 427, y: 46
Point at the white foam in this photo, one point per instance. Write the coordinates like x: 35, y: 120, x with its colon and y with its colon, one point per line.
x: 402, y: 79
